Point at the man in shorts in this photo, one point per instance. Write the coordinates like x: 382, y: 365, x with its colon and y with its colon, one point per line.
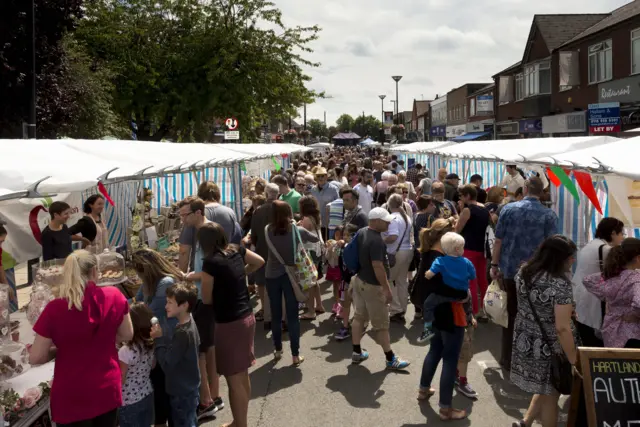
x: 192, y: 214
x: 371, y: 290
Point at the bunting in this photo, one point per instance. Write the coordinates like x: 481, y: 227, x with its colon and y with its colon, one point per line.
x: 586, y: 185
x: 562, y: 176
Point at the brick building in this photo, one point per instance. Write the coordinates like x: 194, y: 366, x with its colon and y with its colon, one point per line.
x: 525, y: 88
x: 457, y: 108
x: 481, y: 120
x: 599, y: 65
x: 420, y: 118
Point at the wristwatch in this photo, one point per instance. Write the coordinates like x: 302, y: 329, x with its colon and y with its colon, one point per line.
x: 494, y: 265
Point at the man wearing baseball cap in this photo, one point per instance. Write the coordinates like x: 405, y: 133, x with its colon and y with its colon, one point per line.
x: 372, y: 293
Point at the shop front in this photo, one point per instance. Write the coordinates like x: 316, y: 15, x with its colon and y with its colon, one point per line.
x: 438, y: 133
x: 481, y: 126
x: 507, y: 130
x: 530, y: 128
x: 626, y: 92
x: 456, y: 131
x: 569, y: 124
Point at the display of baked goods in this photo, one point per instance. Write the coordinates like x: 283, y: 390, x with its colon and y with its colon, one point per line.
x: 40, y: 296
x: 111, y: 267
x: 48, y: 273
x: 14, y: 360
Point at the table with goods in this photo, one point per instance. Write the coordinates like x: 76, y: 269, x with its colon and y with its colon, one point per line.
x: 25, y: 389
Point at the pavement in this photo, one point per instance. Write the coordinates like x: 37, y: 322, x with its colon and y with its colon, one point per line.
x: 327, y: 390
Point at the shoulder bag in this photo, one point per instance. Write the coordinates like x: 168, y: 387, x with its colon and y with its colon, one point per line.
x: 303, y: 274
x: 561, y: 373
x: 392, y: 257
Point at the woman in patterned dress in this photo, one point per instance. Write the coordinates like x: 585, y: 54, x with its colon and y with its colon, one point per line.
x: 543, y: 285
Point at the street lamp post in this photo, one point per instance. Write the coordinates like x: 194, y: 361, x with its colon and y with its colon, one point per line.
x: 382, y: 97
x: 397, y: 79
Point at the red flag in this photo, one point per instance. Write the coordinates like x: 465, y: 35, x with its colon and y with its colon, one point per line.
x: 553, y: 178
x: 586, y: 185
x: 103, y: 190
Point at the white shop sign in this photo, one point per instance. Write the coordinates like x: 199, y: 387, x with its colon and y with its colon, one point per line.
x: 479, y: 126
x: 457, y: 130
x: 484, y: 104
x: 233, y: 134
x: 565, y: 123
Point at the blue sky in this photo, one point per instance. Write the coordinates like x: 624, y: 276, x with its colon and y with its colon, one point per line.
x: 436, y: 45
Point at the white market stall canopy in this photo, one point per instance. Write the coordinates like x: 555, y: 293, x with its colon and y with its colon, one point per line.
x: 519, y: 150
x: 75, y: 165
x: 420, y: 147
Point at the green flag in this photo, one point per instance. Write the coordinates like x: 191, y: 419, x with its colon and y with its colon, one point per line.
x: 243, y: 167
x: 566, y: 181
x: 275, y: 163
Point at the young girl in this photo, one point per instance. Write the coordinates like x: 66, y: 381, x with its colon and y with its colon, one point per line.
x: 136, y: 362
x: 345, y: 293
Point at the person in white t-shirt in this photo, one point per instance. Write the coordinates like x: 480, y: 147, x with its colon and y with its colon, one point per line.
x: 365, y: 191
x: 512, y: 181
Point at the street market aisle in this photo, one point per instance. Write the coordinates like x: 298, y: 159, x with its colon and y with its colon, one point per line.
x: 328, y: 391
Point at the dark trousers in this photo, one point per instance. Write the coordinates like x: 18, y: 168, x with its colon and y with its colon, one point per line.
x: 588, y: 336
x: 109, y: 419
x: 507, y: 333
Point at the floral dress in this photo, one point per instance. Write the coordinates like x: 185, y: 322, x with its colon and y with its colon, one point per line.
x: 531, y: 357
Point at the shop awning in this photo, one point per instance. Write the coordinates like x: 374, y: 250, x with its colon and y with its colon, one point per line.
x: 470, y: 136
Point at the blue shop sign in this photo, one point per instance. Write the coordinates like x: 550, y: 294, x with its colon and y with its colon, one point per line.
x: 438, y: 130
x: 531, y: 126
x: 605, y: 114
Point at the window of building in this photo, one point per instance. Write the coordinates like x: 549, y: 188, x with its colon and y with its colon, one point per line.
x: 464, y: 111
x: 472, y: 107
x: 519, y: 87
x: 536, y: 79
x: 635, y: 51
x: 600, y: 62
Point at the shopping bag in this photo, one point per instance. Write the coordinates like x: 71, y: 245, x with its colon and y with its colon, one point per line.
x: 495, y: 304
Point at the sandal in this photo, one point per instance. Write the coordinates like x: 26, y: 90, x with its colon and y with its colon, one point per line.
x: 451, y: 414
x: 307, y: 317
x: 298, y: 361
x: 425, y: 394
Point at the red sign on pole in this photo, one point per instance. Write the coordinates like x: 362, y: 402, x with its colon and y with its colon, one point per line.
x: 232, y: 123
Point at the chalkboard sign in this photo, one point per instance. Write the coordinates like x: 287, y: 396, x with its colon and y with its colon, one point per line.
x: 611, y: 386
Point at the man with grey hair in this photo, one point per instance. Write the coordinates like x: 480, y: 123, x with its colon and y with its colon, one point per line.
x: 522, y: 227
x: 259, y: 221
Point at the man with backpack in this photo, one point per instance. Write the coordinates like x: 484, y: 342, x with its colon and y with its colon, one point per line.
x: 366, y: 256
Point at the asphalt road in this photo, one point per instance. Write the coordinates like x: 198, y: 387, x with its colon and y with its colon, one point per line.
x: 327, y: 390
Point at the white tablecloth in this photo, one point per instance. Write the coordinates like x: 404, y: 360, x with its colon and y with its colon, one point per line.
x: 35, y: 374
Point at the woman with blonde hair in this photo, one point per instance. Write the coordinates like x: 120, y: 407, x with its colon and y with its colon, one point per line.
x: 398, y: 241
x: 157, y: 275
x: 449, y: 323
x: 83, y: 324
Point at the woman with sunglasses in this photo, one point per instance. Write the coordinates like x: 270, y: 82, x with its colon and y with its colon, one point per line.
x: 157, y: 275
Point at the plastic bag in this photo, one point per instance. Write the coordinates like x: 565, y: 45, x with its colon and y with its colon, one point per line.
x: 495, y: 304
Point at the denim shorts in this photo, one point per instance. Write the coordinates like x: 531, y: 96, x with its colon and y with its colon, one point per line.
x: 137, y: 414
x: 184, y: 409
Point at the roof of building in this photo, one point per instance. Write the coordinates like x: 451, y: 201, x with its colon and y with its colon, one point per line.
x: 510, y: 68
x: 628, y: 11
x: 422, y: 107
x: 556, y: 30
x: 486, y: 88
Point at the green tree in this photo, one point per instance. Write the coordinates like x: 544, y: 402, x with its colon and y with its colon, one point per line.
x: 332, y: 131
x: 345, y: 123
x: 367, y: 126
x: 55, y: 106
x: 181, y: 64
x: 317, y: 128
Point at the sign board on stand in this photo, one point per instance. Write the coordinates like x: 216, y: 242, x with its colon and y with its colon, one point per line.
x: 231, y: 123
x: 604, y: 118
x: 233, y: 134
x: 611, y: 388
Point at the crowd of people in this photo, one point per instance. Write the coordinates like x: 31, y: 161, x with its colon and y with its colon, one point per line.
x: 384, y: 235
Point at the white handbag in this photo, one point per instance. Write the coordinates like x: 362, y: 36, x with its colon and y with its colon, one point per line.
x: 495, y: 304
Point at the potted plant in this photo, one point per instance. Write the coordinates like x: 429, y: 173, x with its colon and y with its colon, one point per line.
x: 397, y: 130
x: 290, y: 134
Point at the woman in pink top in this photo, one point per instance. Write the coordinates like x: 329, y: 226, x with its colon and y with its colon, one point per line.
x: 80, y: 329
x: 619, y: 287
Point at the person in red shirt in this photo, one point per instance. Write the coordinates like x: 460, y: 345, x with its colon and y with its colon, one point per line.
x: 82, y: 326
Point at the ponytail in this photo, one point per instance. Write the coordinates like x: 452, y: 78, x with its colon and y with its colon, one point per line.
x: 431, y: 236
x: 619, y: 257
x: 76, y: 270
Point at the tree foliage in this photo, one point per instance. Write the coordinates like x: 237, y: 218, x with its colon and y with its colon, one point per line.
x: 181, y: 64
x: 345, y: 123
x: 317, y: 128
x: 55, y: 106
x: 367, y: 126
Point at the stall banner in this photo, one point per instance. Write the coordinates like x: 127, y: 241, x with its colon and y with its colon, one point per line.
x: 25, y: 219
x: 388, y: 118
x: 604, y: 118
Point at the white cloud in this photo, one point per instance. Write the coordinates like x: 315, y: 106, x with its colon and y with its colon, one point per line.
x: 436, y: 45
